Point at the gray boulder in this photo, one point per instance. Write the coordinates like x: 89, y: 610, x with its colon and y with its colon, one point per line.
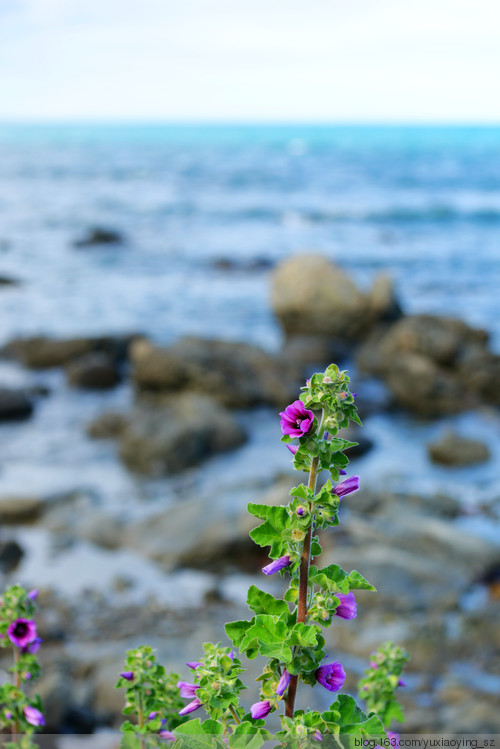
x: 311, y: 296
x: 453, y: 450
x: 20, y: 509
x: 41, y: 352
x: 107, y: 425
x: 236, y: 374
x: 176, y: 433
x: 94, y: 371
x: 99, y: 235
x: 15, y: 405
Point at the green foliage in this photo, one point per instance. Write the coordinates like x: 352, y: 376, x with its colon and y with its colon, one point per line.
x: 17, y: 604
x: 382, y: 679
x: 151, y: 691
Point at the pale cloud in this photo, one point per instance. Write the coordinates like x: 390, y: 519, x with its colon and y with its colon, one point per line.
x: 250, y: 59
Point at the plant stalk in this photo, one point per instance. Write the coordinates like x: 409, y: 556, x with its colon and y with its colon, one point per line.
x: 305, y: 560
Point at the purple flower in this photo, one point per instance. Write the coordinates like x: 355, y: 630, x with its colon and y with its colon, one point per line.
x: 21, y: 632
x: 191, y: 707
x: 128, y: 675
x: 153, y: 716
x: 393, y: 737
x: 34, y: 716
x: 283, y: 683
x: 33, y: 647
x: 260, y: 709
x: 296, y: 420
x: 193, y: 664
x: 8, y: 715
x: 293, y: 448
x: 231, y: 654
x: 342, y: 472
x: 27, y: 676
x: 167, y: 735
x: 401, y: 683
x: 318, y: 736
x: 32, y: 595
x: 347, y: 607
x: 277, y: 565
x: 187, y: 690
x: 373, y: 664
x: 347, y: 487
x: 300, y: 511
x: 331, y: 676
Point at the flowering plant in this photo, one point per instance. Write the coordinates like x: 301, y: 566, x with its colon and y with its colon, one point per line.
x: 19, y: 714
x: 288, y: 632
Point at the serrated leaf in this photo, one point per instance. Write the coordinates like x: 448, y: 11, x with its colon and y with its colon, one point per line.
x: 268, y: 635
x: 300, y: 491
x: 269, y: 533
x: 358, y: 582
x: 264, y: 603
x: 354, y: 720
x: 336, y: 580
x: 304, y: 635
x: 237, y: 630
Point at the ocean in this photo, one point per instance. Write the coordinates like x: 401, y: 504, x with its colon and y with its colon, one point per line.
x: 205, y: 211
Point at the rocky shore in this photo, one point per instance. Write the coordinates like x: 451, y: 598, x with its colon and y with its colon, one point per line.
x: 189, y: 404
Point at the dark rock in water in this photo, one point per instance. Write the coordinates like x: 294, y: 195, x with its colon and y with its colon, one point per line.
x: 177, y: 433
x: 42, y: 352
x: 304, y: 352
x: 236, y: 374
x: 10, y: 555
x: 78, y: 720
x: 96, y: 371
x: 15, y: 405
x: 99, y: 235
x: 9, y: 281
x: 251, y: 265
x: 311, y: 296
x: 454, y: 450
x: 422, y: 359
x: 107, y: 425
x: 479, y: 370
x: 20, y: 509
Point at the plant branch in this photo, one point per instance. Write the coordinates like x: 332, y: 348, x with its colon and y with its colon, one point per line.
x: 305, y: 560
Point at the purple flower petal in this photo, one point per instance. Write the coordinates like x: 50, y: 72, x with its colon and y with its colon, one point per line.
x: 32, y: 595
x: 283, y: 683
x: 166, y: 735
x: 33, y: 647
x: 347, y: 487
x: 347, y: 608
x: 21, y: 632
x: 187, y: 690
x: 128, y: 675
x: 296, y: 420
x: 276, y: 565
x: 293, y: 448
x: 318, y: 736
x: 33, y: 716
x: 191, y: 707
x: 153, y: 716
x: 331, y: 676
x: 260, y: 709
x: 193, y: 664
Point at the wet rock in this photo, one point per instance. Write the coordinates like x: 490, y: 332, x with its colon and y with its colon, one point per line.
x: 188, y: 535
x: 179, y: 433
x: 236, y: 374
x: 102, y: 530
x: 55, y: 691
x: 15, y: 405
x: 99, y: 235
x: 311, y: 296
x: 107, y: 425
x: 96, y: 371
x: 11, y: 554
x: 383, y: 300
x: 108, y: 701
x: 42, y: 352
x: 430, y: 364
x: 304, y: 352
x: 20, y: 509
x: 454, y: 450
x: 9, y: 281
x: 251, y: 265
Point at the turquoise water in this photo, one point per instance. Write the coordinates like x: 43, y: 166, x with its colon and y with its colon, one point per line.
x: 421, y: 203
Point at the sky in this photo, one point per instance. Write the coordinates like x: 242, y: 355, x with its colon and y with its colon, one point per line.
x: 250, y: 60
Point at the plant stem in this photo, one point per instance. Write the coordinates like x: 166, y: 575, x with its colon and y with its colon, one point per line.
x: 234, y: 714
x: 15, y: 727
x: 303, y: 587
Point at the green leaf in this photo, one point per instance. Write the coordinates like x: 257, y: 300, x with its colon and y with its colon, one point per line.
x: 264, y: 603
x: 259, y: 511
x: 237, y: 630
x: 358, y: 582
x: 269, y: 533
x: 354, y: 720
x: 336, y: 580
x: 300, y: 491
x: 268, y: 635
x: 304, y: 635
x: 249, y: 736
